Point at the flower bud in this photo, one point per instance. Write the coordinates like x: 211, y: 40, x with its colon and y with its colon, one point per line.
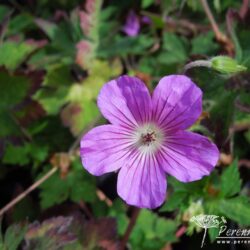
x: 226, y: 65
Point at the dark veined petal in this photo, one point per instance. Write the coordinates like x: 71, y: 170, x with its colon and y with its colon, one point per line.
x: 188, y: 156
x: 142, y: 182
x: 125, y: 101
x: 105, y: 148
x: 177, y: 102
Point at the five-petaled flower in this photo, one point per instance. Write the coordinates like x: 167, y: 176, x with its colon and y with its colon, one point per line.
x: 147, y: 139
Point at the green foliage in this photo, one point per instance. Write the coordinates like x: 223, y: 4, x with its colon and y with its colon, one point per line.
x: 237, y: 209
x: 24, y: 154
x: 22, y: 22
x: 13, y: 237
x: 7, y: 125
x: 54, y: 59
x: 150, y: 228
x: 130, y: 45
x: 77, y: 185
x: 230, y: 180
x: 77, y: 115
x: 147, y: 3
x: 204, y: 44
x: 174, y: 201
x: 12, y: 54
x: 118, y: 210
x: 174, y: 50
x: 13, y: 90
x: 16, y: 155
x: 55, y: 88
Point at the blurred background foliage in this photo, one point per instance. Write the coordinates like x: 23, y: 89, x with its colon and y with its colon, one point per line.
x: 54, y: 58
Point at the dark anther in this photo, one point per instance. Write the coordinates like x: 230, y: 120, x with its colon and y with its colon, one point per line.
x: 148, y: 138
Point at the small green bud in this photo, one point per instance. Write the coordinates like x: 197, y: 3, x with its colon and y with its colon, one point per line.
x: 226, y: 65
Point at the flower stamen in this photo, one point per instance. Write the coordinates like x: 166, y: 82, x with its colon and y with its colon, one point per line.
x: 148, y: 138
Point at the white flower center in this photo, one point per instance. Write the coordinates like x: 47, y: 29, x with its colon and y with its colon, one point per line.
x: 148, y: 138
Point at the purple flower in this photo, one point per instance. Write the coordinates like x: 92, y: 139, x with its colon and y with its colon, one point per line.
x: 132, y: 25
x: 146, y: 20
x: 146, y: 139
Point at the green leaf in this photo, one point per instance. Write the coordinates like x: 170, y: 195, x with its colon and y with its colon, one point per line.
x: 147, y: 3
x: 173, y: 201
x: 166, y: 229
x: 82, y: 184
x: 118, y: 210
x: 56, y: 86
x: 12, y: 54
x: 22, y: 155
x: 99, y: 73
x: 20, y: 23
x: 13, y: 89
x: 16, y: 155
x: 230, y: 180
x: 237, y: 209
x: 48, y: 28
x: 194, y: 187
x: 78, y: 115
x: 7, y: 125
x: 146, y: 222
x: 204, y: 44
x: 63, y: 41
x: 77, y: 185
x: 130, y: 45
x: 53, y: 191
x: 13, y: 236
x: 151, y: 228
x: 174, y: 50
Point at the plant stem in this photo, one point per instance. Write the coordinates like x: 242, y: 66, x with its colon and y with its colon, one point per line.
x: 198, y: 63
x: 222, y: 38
x: 130, y: 227
x: 27, y: 191
x: 180, y: 231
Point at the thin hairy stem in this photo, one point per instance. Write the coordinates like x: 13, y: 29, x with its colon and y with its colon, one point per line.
x: 27, y: 191
x: 198, y: 63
